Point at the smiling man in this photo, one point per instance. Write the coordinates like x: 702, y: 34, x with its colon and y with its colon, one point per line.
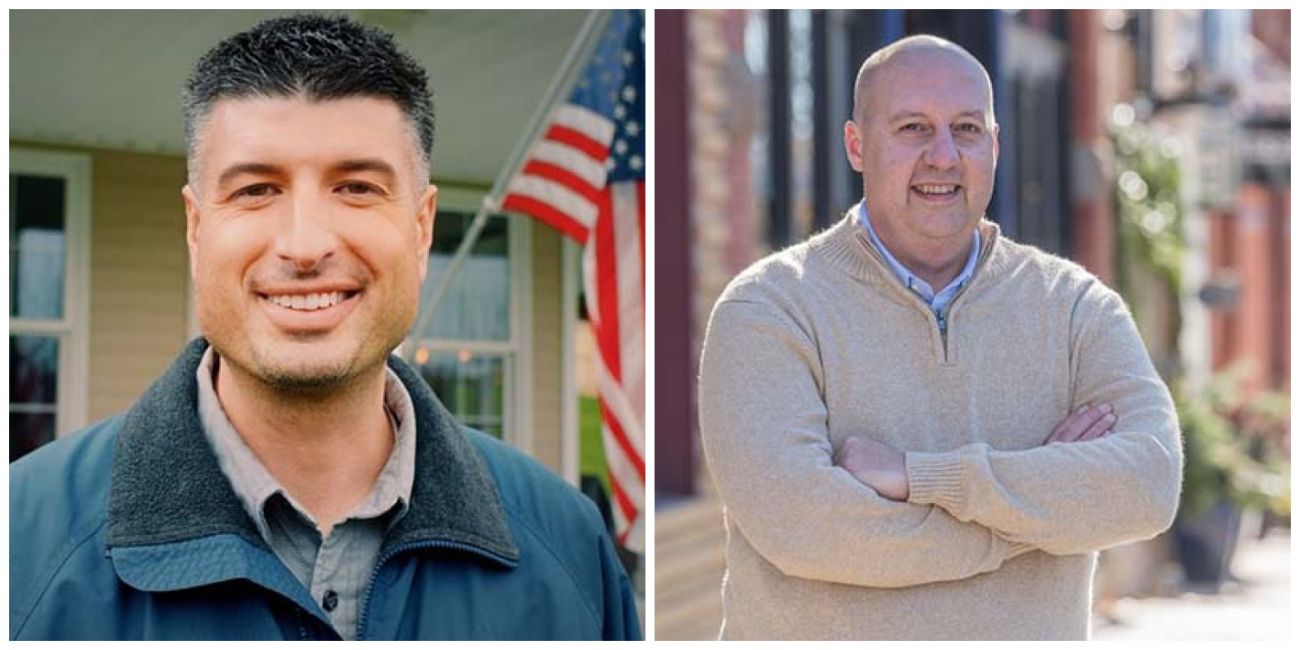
x: 919, y: 428
x: 287, y: 478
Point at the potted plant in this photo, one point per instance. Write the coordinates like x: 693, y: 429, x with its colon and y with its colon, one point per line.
x: 1265, y: 423
x: 1221, y: 477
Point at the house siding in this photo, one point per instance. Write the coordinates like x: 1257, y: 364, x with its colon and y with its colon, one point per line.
x: 547, y: 347
x: 139, y: 275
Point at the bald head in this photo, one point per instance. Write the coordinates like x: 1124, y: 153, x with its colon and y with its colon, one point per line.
x: 924, y: 139
x: 921, y: 51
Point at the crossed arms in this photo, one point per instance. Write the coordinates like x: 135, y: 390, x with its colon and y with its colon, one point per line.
x: 959, y: 513
x: 881, y: 468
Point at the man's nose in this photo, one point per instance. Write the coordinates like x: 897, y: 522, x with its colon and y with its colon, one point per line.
x: 305, y: 236
x: 942, y: 153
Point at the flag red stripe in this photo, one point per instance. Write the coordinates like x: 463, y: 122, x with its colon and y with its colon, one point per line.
x: 620, y: 437
x: 607, y: 334
x: 597, y: 151
x: 563, y: 176
x: 554, y: 218
x: 624, y: 504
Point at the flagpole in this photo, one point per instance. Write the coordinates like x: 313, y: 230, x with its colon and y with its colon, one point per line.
x: 585, y: 42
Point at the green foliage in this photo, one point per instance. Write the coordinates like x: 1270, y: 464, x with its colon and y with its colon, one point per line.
x: 1221, y: 460
x: 1235, y: 449
x: 1150, y: 211
x: 1231, y: 447
x: 591, y: 448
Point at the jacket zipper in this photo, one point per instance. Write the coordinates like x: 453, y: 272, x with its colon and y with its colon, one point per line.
x: 392, y: 552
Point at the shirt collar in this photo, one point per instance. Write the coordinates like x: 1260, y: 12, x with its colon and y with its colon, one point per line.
x: 911, y: 280
x: 253, y: 484
x: 169, y: 502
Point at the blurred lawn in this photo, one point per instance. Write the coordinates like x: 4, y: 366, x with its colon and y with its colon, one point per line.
x: 591, y: 449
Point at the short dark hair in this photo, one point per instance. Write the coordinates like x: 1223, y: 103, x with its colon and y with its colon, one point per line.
x: 317, y: 56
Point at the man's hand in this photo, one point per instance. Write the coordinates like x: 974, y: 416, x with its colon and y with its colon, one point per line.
x: 1085, y: 423
x: 875, y: 464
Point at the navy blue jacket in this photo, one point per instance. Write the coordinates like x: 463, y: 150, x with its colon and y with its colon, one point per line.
x: 129, y: 530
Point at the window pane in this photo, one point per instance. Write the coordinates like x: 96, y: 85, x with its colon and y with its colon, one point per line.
x: 36, y: 246
x: 471, y: 386
x: 477, y: 305
x: 33, y: 369
x: 27, y: 431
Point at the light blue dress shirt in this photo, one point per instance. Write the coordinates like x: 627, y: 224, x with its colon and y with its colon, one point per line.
x: 938, y: 302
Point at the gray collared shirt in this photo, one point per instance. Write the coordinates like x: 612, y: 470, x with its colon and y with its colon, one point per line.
x: 335, y: 570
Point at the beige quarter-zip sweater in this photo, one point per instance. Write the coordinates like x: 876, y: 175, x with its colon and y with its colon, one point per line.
x: 820, y: 342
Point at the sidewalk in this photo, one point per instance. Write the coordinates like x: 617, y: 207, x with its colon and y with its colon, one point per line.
x: 1256, y: 608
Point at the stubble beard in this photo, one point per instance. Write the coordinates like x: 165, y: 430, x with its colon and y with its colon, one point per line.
x: 296, y: 367
x: 306, y: 380
x: 312, y: 376
x: 299, y: 367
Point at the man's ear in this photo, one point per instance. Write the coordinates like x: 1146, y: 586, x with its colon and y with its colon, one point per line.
x: 995, y: 143
x: 425, y: 213
x: 853, y: 145
x: 192, y: 217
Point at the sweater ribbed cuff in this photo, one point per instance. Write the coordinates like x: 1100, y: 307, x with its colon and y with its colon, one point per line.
x: 935, y: 479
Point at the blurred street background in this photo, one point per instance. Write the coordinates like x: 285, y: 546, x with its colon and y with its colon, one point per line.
x: 1254, y: 605
x: 1153, y: 147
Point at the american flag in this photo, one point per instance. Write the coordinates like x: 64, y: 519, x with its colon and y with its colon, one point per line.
x: 586, y: 178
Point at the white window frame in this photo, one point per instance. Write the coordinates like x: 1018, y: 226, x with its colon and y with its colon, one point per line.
x: 73, y: 329
x: 517, y: 351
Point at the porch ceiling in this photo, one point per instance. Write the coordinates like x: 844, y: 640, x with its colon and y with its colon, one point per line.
x: 112, y: 79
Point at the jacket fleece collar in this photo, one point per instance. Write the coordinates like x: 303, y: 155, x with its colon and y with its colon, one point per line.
x: 167, y: 486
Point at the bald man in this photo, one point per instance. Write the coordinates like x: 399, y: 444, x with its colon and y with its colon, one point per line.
x: 921, y: 429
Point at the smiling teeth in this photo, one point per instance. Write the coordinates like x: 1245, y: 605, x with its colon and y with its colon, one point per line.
x: 936, y: 189
x: 308, y: 302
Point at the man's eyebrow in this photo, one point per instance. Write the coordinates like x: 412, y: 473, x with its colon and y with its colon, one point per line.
x: 261, y: 169
x: 977, y: 114
x: 266, y: 169
x: 366, y: 165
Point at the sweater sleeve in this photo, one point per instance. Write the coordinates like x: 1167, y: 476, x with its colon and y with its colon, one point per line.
x: 1068, y: 498
x: 763, y: 423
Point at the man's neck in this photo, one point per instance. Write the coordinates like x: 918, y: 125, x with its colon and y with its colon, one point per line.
x: 937, y: 261
x: 325, y: 449
x: 938, y: 265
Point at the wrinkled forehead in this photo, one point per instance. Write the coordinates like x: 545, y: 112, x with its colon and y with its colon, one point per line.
x: 283, y: 129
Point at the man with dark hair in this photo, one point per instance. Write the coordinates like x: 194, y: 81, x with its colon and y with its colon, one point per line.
x: 317, y: 57
x: 287, y: 478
